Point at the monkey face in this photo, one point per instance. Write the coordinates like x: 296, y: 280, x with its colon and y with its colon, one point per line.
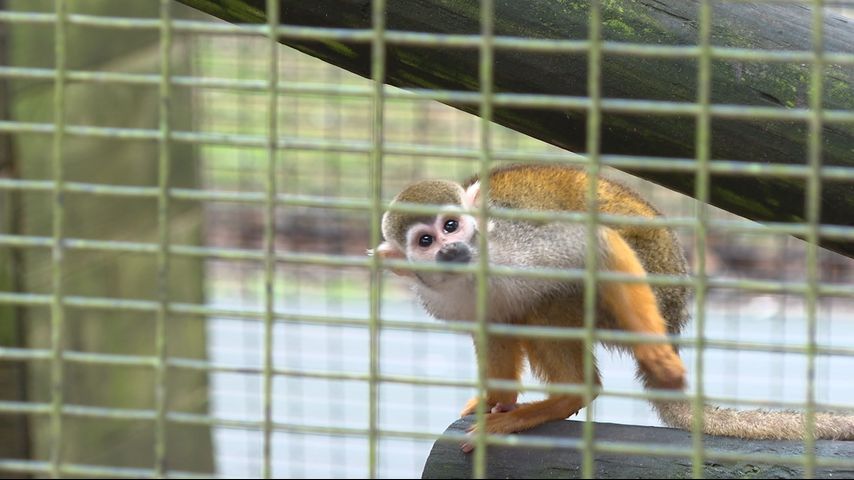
x: 449, y: 238
x: 446, y: 238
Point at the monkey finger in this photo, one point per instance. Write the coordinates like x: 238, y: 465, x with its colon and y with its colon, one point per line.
x: 467, y: 446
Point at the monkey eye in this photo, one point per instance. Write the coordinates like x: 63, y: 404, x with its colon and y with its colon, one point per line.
x: 451, y: 226
x: 425, y: 240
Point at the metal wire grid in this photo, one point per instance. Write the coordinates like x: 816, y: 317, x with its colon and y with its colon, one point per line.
x: 59, y: 243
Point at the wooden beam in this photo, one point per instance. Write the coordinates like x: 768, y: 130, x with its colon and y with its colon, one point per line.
x: 446, y: 460
x: 750, y: 138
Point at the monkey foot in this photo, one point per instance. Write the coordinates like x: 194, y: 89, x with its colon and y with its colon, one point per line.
x: 497, y: 424
x: 468, y: 445
x: 493, y: 424
x: 497, y: 407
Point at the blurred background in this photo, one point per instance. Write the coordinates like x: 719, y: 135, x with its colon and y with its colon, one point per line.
x: 322, y: 310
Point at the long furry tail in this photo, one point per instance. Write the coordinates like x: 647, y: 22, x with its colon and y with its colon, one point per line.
x: 755, y: 424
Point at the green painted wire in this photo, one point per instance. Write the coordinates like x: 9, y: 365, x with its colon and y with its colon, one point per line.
x: 57, y: 248
x: 163, y: 226
x: 812, y: 209
x: 481, y: 336
x: 591, y: 277
x: 272, y: 144
x: 378, y: 52
x: 701, y: 189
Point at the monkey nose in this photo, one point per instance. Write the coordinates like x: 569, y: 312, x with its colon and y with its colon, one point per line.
x: 457, y: 252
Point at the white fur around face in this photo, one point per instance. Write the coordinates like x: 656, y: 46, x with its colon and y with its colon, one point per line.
x: 450, y: 296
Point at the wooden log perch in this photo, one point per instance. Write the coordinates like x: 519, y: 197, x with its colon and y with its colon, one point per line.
x: 446, y: 460
x: 739, y: 137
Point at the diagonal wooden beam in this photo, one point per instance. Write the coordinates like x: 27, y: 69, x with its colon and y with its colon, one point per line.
x: 742, y: 82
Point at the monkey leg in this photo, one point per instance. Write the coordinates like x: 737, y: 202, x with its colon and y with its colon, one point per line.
x: 553, y: 362
x: 634, y: 307
x: 503, y: 362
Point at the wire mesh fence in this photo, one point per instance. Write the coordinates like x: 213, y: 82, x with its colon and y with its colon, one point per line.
x: 187, y: 206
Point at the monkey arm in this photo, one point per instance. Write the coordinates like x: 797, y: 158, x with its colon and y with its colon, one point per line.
x: 555, y: 362
x: 503, y: 362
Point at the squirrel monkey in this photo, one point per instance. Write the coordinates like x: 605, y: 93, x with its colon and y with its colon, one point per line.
x: 451, y: 237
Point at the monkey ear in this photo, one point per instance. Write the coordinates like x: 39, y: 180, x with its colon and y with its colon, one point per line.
x: 472, y: 195
x: 386, y: 251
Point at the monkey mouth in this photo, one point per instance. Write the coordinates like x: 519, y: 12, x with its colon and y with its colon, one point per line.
x: 444, y: 280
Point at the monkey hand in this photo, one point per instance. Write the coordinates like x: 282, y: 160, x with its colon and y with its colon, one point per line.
x: 662, y: 363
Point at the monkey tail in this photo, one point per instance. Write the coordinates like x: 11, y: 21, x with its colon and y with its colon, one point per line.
x: 754, y: 424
